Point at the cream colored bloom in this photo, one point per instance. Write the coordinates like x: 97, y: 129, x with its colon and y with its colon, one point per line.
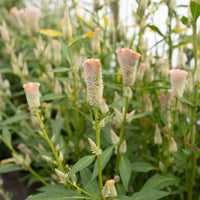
x: 109, y: 189
x: 157, y: 136
x: 128, y: 60
x: 93, y: 78
x: 178, y: 82
x: 67, y: 28
x: 96, y: 41
x: 32, y: 95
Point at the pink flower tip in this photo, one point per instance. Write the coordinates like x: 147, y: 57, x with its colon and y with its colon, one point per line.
x: 97, y: 30
x: 129, y: 52
x: 178, y: 73
x: 31, y: 85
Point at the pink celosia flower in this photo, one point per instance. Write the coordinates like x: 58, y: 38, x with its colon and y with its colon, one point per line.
x: 93, y: 78
x: 128, y: 60
x: 26, y: 18
x: 178, y: 82
x: 32, y: 95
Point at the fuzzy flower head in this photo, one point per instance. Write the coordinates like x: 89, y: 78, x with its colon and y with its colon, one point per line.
x: 178, y: 82
x: 93, y: 78
x: 26, y: 18
x: 128, y: 60
x: 32, y: 95
x: 109, y: 189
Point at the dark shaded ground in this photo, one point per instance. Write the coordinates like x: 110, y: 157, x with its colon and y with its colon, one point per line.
x: 14, y: 184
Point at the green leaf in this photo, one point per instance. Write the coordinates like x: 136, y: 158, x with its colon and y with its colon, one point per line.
x: 60, y: 69
x: 122, y: 197
x: 66, y: 52
x: 66, y: 79
x: 90, y: 186
x: 141, y: 115
x: 158, y: 182
x: 9, y: 167
x: 142, y: 167
x: 7, y: 136
x: 81, y: 164
x: 195, y: 9
x: 149, y: 195
x: 184, y: 100
x: 86, y: 116
x: 52, y: 96
x: 184, y: 20
x: 57, y: 192
x: 14, y: 119
x: 6, y: 70
x: 105, y: 157
x: 57, y: 126
x: 156, y: 29
x: 125, y: 170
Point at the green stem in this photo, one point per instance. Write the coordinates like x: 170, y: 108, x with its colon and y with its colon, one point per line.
x: 28, y: 167
x: 48, y: 140
x: 121, y: 135
x: 35, y: 174
x: 170, y: 136
x: 169, y: 37
x: 80, y: 189
x: 99, y: 146
x: 76, y: 115
x: 193, y: 160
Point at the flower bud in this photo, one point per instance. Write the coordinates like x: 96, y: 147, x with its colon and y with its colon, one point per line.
x: 68, y: 89
x: 4, y: 32
x: 61, y: 176
x: 148, y: 105
x: 128, y: 60
x: 161, y: 166
x: 178, y: 82
x: 189, y: 85
x: 104, y: 107
x: 93, y: 78
x: 127, y: 92
x: 114, y: 137
x: 47, y: 158
x: 129, y: 116
x: 123, y: 147
x: 157, y: 136
x: 173, y: 146
x: 57, y: 52
x: 96, y: 41
x: 32, y: 95
x: 165, y: 70
x: 141, y: 71
x: 95, y: 150
x: 67, y: 29
x: 109, y: 189
x: 165, y: 99
x: 57, y: 87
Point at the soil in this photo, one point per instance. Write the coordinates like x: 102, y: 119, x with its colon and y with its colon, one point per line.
x: 12, y: 183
